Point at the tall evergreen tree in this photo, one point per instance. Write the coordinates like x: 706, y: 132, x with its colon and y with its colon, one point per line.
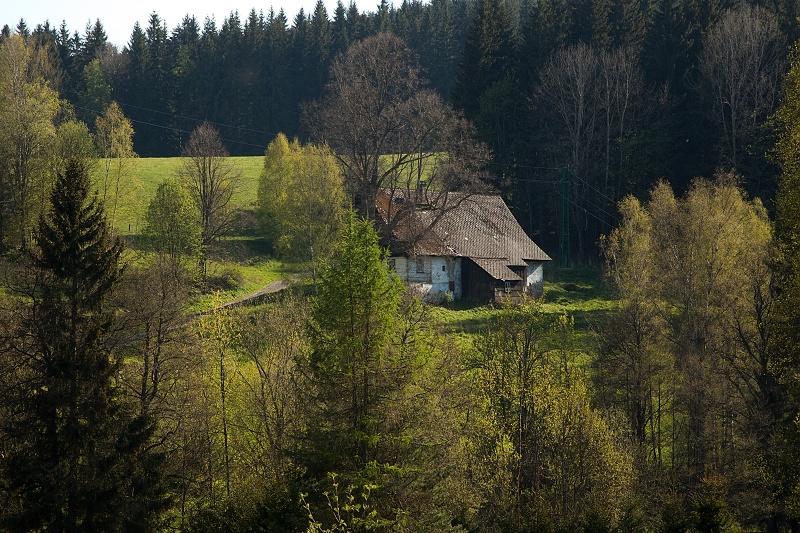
x: 69, y: 441
x: 487, y: 87
x: 352, y: 365
x: 320, y: 43
x: 439, y: 52
x: 341, y: 40
x: 487, y: 56
x: 155, y: 91
x: 277, y: 85
x: 93, y: 44
x: 356, y: 23
x: 232, y: 108
x: 299, y: 58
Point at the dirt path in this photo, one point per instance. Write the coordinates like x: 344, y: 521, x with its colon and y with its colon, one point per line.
x: 275, y: 286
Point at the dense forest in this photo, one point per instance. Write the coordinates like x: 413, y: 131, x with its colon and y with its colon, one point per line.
x: 616, y: 94
x: 664, y: 137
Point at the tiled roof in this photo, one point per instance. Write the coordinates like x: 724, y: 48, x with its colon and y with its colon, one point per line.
x: 480, y: 227
x: 497, y: 268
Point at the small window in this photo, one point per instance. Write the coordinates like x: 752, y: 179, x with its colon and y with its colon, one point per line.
x: 391, y: 264
x: 444, y: 268
x: 420, y: 266
x: 508, y: 286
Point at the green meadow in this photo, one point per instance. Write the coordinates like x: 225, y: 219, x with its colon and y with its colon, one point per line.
x: 239, y: 264
x: 243, y: 263
x: 581, y: 293
x: 149, y: 172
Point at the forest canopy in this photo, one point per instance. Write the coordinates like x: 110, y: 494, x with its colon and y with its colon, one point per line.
x: 620, y: 93
x: 659, y: 139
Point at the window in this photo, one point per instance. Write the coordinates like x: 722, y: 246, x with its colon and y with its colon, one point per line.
x: 508, y: 286
x: 390, y: 263
x: 420, y: 266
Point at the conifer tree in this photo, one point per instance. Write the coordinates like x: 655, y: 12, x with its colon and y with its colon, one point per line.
x: 487, y: 57
x: 69, y: 441
x: 351, y: 364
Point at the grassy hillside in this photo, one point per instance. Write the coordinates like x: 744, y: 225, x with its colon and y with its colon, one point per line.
x: 243, y: 264
x: 238, y: 264
x: 149, y: 172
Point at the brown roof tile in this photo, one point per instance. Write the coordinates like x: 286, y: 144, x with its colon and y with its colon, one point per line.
x: 480, y: 226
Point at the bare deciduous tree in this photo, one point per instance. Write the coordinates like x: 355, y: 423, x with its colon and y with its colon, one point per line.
x: 211, y: 179
x: 622, y: 85
x: 587, y: 101
x: 741, y: 63
x: 389, y: 132
x: 569, y: 98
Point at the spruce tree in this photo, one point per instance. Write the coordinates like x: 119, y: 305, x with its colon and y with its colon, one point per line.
x: 352, y: 366
x: 68, y: 440
x: 487, y: 57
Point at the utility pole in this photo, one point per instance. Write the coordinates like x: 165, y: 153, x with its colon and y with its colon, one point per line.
x: 563, y: 235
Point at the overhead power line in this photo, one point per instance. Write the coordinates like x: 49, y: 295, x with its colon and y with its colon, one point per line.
x: 198, y: 120
x: 174, y: 129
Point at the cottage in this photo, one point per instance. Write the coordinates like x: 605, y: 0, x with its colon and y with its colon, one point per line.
x: 474, y: 250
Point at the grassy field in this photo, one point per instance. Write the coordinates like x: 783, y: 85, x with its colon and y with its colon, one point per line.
x: 242, y: 264
x: 237, y: 265
x: 149, y: 172
x: 581, y: 293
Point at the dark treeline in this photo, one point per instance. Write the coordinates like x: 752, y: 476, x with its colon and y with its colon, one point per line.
x: 248, y: 75
x: 581, y: 102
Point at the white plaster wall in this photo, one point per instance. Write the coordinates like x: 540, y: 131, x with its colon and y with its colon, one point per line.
x: 400, y: 266
x: 432, y: 284
x: 419, y: 277
x: 534, y: 278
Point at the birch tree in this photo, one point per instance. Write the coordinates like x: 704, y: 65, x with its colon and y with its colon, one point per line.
x: 115, y: 144
x: 301, y: 199
x: 28, y: 107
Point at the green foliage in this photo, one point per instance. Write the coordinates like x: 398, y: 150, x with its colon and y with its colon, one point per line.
x: 73, y: 140
x: 543, y: 455
x: 72, y: 444
x: 351, y: 362
x: 367, y: 382
x: 697, y: 369
x: 786, y: 316
x: 96, y: 95
x: 487, y: 55
x: 351, y: 510
x: 172, y: 223
x: 710, y: 511
x: 28, y: 107
x: 115, y: 147
x: 692, y: 337
x: 301, y: 199
x: 152, y: 171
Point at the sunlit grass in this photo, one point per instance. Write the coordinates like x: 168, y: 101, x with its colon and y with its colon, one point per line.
x: 580, y: 293
x: 149, y: 172
x: 244, y: 278
x: 237, y: 266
